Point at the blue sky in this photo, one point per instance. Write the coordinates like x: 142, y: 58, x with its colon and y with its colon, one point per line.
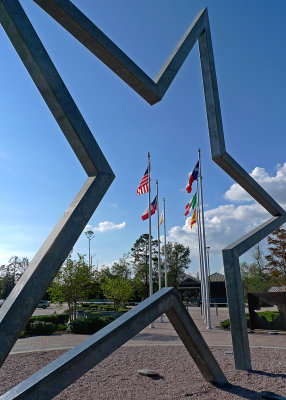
x: 40, y: 175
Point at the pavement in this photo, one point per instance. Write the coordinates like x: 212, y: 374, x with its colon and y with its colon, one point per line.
x: 162, y: 333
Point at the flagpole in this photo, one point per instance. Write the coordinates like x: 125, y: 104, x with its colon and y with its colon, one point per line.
x: 159, y: 255
x: 204, y: 249
x: 165, y: 247
x: 150, y: 237
x: 201, y: 255
x: 202, y: 259
x: 204, y: 268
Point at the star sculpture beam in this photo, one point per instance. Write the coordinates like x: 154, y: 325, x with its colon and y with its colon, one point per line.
x: 26, y: 295
x: 24, y: 298
x: 74, y: 21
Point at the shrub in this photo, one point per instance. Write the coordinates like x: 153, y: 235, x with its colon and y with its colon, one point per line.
x: 90, y: 325
x: 105, y: 307
x: 62, y: 327
x: 123, y: 310
x: 53, y: 318
x: 225, y: 324
x: 108, y: 318
x: 41, y: 328
x: 269, y: 315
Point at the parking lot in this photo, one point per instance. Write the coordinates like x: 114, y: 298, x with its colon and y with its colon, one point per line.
x: 51, y: 309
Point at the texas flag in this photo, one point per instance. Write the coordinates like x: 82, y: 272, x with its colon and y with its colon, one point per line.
x: 193, y: 177
x: 153, y: 208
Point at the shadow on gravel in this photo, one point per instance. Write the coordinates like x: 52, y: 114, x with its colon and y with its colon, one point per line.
x: 270, y: 374
x: 157, y: 378
x: 156, y: 338
x: 240, y: 391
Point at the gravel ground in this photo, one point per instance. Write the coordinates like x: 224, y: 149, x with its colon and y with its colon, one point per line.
x: 116, y: 377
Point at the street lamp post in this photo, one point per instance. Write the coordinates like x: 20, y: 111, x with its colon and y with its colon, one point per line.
x: 90, y: 236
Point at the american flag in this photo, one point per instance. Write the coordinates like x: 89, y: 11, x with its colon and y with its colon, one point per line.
x: 143, y: 186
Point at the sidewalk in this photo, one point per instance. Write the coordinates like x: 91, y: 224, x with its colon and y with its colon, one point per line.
x: 162, y: 334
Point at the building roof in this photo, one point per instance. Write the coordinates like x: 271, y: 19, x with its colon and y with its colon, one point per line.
x: 189, y: 278
x: 277, y: 289
x: 216, y: 277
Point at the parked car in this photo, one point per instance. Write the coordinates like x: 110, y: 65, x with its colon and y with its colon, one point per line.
x: 1, y: 302
x: 43, y: 304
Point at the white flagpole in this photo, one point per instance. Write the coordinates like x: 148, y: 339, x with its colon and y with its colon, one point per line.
x: 165, y: 247
x: 207, y: 295
x: 201, y: 256
x: 150, y: 237
x: 159, y: 255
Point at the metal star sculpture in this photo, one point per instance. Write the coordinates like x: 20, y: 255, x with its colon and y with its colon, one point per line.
x: 24, y: 298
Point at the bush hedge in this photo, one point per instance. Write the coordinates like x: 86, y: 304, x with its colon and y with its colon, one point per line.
x: 108, y: 319
x: 62, y: 327
x: 269, y: 315
x: 41, y: 328
x: 225, y: 324
x: 53, y: 318
x: 89, y: 325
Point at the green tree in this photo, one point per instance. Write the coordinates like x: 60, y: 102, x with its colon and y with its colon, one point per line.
x: 254, y: 276
x: 140, y: 255
x: 276, y: 259
x: 6, y: 285
x: 11, y: 273
x: 118, y: 289
x: 121, y: 268
x: 178, y: 260
x: 73, y: 282
x: 17, y: 266
x: 104, y: 273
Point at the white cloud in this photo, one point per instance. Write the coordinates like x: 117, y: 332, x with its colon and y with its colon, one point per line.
x: 223, y: 225
x: 106, y: 226
x: 88, y: 228
x: 227, y: 223
x: 274, y: 185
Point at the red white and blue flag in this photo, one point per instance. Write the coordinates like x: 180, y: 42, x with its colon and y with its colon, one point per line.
x: 153, y: 208
x: 143, y: 185
x: 193, y: 177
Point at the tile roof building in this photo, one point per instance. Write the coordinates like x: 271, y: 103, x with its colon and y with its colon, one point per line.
x: 190, y: 288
